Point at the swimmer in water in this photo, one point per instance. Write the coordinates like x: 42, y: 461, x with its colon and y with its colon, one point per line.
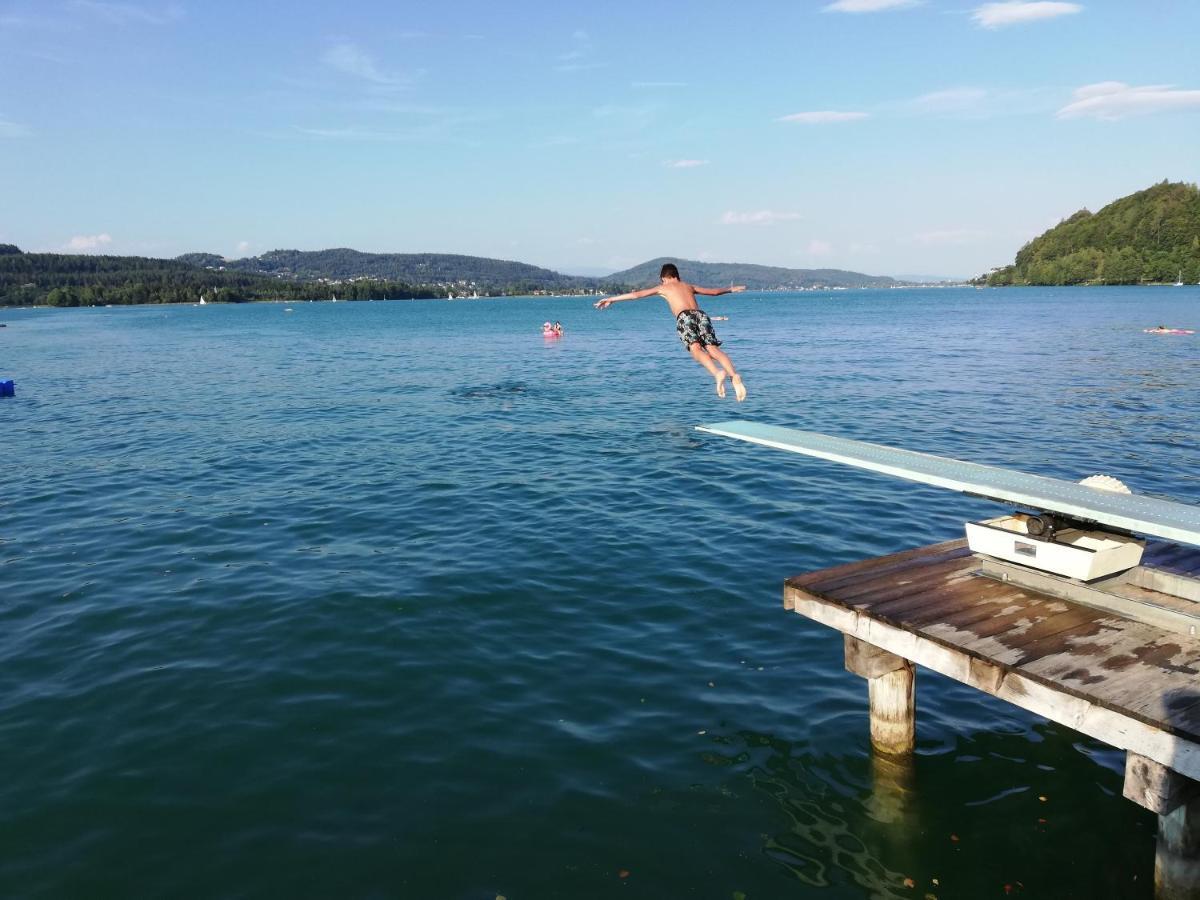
x: 692, y: 324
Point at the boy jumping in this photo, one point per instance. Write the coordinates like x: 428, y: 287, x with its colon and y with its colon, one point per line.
x: 692, y: 324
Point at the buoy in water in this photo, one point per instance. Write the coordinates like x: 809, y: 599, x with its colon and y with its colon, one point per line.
x: 8, y: 389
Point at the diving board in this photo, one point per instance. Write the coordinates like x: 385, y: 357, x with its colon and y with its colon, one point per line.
x: 1144, y: 515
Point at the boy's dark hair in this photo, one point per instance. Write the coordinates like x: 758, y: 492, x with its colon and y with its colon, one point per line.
x: 669, y: 271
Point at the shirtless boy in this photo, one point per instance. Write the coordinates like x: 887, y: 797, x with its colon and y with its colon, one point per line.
x: 692, y: 324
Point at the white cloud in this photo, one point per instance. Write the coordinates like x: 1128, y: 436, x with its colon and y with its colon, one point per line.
x: 1015, y: 12
x: 759, y: 217
x: 953, y: 237
x: 347, y: 57
x: 123, y: 13
x: 686, y: 163
x: 636, y: 113
x: 13, y: 129
x: 961, y: 99
x: 243, y: 248
x: 1112, y: 100
x: 864, y: 6
x: 822, y: 116
x: 971, y: 102
x: 819, y: 248
x: 85, y: 243
x: 558, y: 140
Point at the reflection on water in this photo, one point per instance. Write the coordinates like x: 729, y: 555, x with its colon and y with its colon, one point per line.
x: 391, y: 599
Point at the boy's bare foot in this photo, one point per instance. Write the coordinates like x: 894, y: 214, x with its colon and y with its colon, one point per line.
x: 739, y: 389
x: 721, y: 376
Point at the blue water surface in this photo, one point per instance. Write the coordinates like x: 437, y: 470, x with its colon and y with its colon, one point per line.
x: 401, y: 599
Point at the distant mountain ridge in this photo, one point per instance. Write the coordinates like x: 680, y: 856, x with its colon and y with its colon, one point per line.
x: 488, y: 274
x: 754, y: 277
x: 58, y: 279
x: 1151, y: 236
x: 343, y: 264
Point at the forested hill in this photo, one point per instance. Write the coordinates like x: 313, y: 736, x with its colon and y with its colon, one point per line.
x: 1151, y: 236
x: 755, y: 278
x: 74, y: 279
x: 475, y: 272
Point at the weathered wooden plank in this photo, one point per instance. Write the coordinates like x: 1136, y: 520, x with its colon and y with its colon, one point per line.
x: 1070, y: 673
x: 1155, y: 786
x: 873, y: 596
x: 869, y: 661
x: 969, y: 615
x: 1049, y: 700
x: 956, y: 597
x: 866, y: 584
x: 883, y: 563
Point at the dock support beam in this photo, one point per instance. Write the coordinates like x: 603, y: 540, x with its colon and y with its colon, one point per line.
x: 890, y: 689
x: 1176, y: 800
x: 1177, y: 857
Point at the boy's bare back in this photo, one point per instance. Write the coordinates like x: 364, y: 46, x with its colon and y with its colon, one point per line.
x: 679, y: 296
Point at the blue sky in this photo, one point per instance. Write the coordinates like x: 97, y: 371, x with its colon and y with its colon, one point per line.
x: 884, y: 136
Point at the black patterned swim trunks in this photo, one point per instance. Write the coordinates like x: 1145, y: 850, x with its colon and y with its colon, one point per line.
x: 694, y: 325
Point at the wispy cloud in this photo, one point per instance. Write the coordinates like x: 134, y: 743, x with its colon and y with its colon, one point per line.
x: 23, y: 20
x: 86, y: 243
x: 686, y: 163
x: 866, y: 6
x: 1112, y: 100
x: 951, y: 100
x: 125, y: 13
x: 971, y: 102
x: 355, y: 133
x: 243, y: 248
x: 819, y: 248
x: 350, y: 59
x: 822, y: 116
x: 578, y: 57
x: 558, y: 140
x: 758, y: 217
x: 1016, y: 12
x: 638, y: 112
x: 13, y: 129
x: 952, y: 237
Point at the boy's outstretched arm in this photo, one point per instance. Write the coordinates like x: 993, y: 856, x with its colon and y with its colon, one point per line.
x: 713, y: 292
x: 632, y: 295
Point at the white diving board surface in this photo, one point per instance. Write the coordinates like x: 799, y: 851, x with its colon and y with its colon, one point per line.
x: 1144, y: 515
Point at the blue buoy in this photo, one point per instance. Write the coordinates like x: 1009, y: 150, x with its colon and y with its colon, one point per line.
x: 7, y: 389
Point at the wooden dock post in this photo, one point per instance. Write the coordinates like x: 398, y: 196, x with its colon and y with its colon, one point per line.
x: 1176, y: 800
x: 890, y: 692
x: 1177, y: 857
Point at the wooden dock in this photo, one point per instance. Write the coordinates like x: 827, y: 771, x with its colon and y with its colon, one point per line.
x: 1129, y: 684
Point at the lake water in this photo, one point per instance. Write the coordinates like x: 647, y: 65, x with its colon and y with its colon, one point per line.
x: 402, y: 600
